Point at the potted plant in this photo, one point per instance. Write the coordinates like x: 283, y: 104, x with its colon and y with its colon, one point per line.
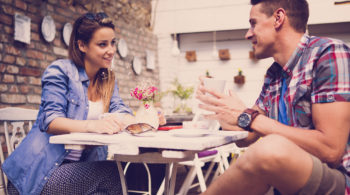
x: 239, y: 79
x: 207, y: 74
x: 183, y: 93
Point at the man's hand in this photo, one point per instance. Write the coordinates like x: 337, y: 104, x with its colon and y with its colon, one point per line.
x: 227, y: 108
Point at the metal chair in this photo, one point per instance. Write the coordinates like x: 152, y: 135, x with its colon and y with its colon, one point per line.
x: 149, y: 192
x: 14, y: 117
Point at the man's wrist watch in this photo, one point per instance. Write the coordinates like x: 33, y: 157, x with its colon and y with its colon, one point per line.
x: 246, y: 118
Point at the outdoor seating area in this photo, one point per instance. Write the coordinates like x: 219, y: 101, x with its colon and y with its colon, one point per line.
x: 169, y: 97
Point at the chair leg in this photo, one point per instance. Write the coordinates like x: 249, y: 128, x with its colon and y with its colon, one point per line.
x: 122, y: 178
x: 188, y: 181
x: 149, y: 179
x: 200, y: 177
x: 210, y: 168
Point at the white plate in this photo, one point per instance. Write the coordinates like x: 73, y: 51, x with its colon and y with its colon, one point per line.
x: 122, y: 48
x: 136, y: 65
x: 67, y: 31
x: 190, y: 133
x: 48, y: 28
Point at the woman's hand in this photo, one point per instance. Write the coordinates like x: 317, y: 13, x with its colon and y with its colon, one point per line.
x: 161, y: 117
x: 109, y: 125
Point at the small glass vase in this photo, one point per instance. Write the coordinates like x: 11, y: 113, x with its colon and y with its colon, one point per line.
x: 147, y: 115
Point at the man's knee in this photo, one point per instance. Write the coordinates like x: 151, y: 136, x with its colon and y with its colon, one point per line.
x: 266, y: 155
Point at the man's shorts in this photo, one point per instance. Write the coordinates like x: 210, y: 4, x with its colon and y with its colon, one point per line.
x: 324, y: 180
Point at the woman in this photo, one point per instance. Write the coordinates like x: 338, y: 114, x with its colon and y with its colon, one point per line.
x: 75, y: 92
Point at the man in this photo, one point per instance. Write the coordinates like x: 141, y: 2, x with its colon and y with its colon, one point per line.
x: 302, y: 113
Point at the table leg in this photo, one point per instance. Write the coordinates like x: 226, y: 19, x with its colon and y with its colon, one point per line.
x: 167, y: 178
x: 173, y: 179
x: 122, y: 178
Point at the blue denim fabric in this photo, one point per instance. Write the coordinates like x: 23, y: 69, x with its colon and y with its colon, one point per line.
x: 64, y: 94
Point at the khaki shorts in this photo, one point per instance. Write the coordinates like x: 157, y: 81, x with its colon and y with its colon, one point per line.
x: 324, y: 180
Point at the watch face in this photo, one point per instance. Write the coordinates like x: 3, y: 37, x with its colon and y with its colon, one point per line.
x: 244, y: 120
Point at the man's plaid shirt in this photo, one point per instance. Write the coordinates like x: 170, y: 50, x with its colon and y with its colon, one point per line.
x: 317, y: 72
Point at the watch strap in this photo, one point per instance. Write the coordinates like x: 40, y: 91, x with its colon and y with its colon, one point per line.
x: 253, y: 114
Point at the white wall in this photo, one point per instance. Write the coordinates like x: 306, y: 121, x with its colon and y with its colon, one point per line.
x: 207, y: 15
x: 197, y: 19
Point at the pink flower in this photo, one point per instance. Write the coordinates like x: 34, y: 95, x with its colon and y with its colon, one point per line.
x: 146, y: 94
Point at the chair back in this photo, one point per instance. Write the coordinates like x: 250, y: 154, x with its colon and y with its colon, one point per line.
x: 15, y: 117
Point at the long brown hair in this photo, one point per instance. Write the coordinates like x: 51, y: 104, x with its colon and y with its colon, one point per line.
x: 83, y: 29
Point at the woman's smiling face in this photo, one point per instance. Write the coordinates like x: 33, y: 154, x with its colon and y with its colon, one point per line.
x: 100, y: 51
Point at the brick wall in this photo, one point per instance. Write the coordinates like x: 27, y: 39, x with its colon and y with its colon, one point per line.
x: 21, y: 65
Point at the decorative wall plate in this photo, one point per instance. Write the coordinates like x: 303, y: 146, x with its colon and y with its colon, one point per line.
x: 136, y: 65
x: 67, y: 31
x: 150, y: 60
x: 48, y: 28
x: 122, y: 48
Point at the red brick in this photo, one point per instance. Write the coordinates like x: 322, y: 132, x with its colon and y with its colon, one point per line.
x: 7, y: 78
x: 44, y: 64
x: 12, y: 69
x: 34, y: 81
x: 59, y: 19
x: 53, y: 1
x: 24, y: 89
x: 49, y: 8
x: 35, y: 54
x: 50, y: 58
x: 34, y: 36
x: 22, y: 79
x: 37, y: 90
x: 42, y: 47
x: 5, y: 19
x: 29, y: 71
x: 6, y: 1
x: 2, y: 67
x: 21, y: 5
x: 33, y: 63
x: 13, y: 89
x: 21, y: 61
x: 35, y: 99
x: 3, y: 88
x: 34, y: 27
x: 13, y: 98
x: 32, y: 44
x: 10, y: 49
x: 63, y: 11
x: 9, y: 59
x: 35, y: 18
x: 8, y: 9
x: 57, y: 42
x: 8, y: 30
x: 33, y: 9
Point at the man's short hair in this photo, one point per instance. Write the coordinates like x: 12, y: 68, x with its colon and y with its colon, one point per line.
x: 297, y: 11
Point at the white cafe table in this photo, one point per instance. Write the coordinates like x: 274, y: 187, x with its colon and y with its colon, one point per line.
x: 166, y: 147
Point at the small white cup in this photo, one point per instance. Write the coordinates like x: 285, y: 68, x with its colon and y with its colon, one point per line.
x: 215, y: 84
x: 195, y: 124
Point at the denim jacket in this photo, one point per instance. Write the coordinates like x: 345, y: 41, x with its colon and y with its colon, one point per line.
x: 64, y: 94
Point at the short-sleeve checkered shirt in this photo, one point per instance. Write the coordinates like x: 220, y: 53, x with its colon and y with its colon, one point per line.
x: 317, y: 72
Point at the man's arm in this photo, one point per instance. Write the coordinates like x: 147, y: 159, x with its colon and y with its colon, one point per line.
x: 329, y: 138
x: 252, y: 136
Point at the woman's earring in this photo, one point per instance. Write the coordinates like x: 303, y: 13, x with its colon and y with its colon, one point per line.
x: 104, y: 75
